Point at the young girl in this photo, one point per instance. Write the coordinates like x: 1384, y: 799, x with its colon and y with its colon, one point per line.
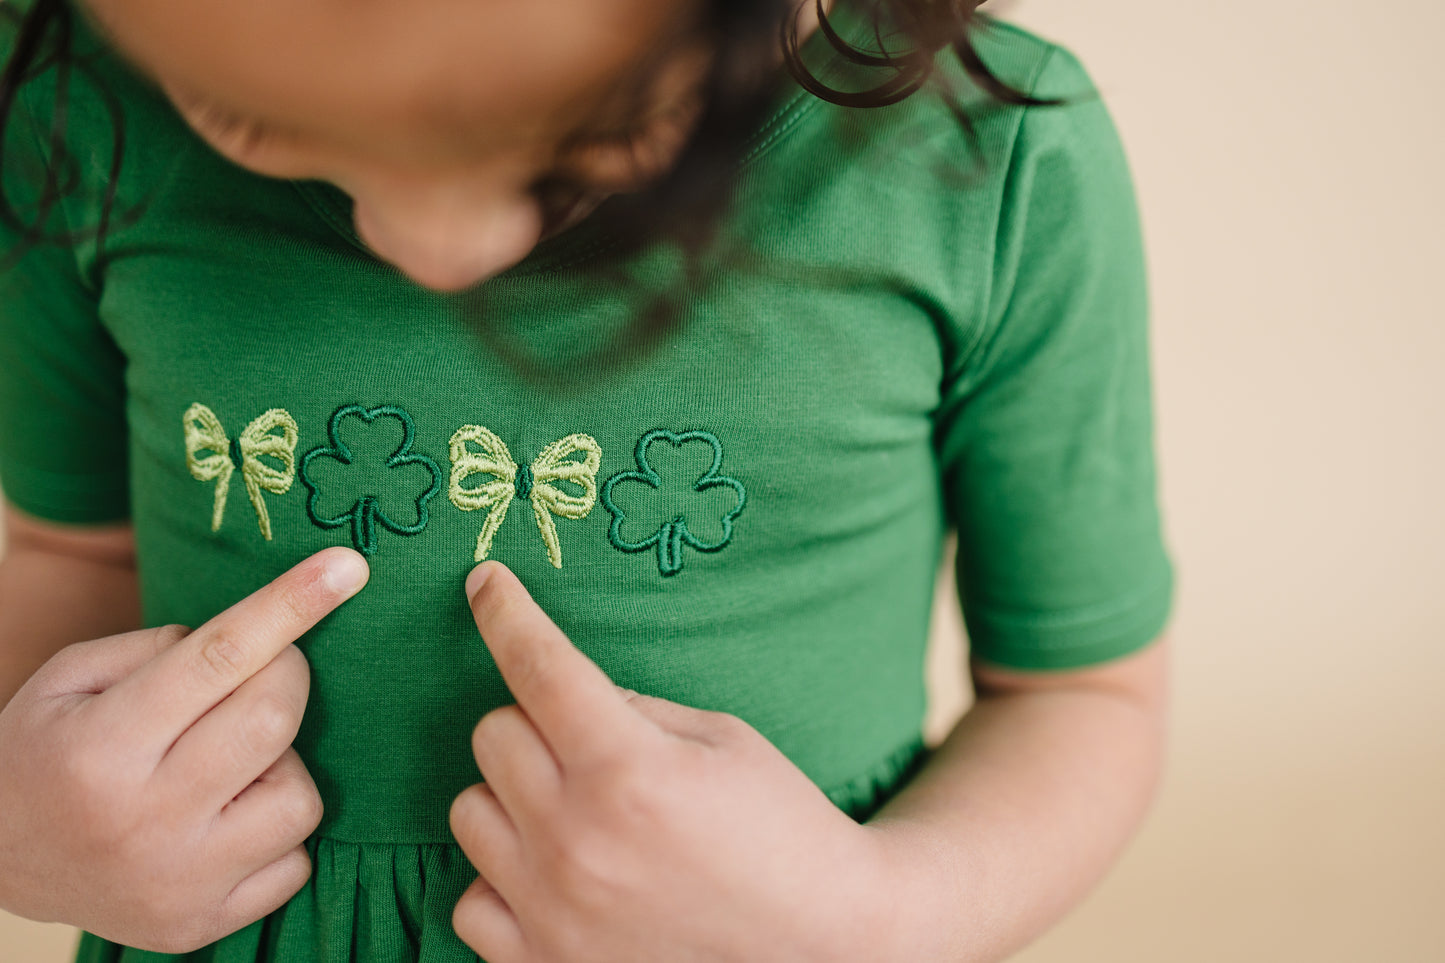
x: 631, y: 302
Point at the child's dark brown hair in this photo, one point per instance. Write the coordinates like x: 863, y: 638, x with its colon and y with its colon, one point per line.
x: 685, y: 205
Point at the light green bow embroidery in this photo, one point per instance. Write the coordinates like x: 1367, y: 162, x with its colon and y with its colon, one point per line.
x: 537, y: 482
x: 204, y: 433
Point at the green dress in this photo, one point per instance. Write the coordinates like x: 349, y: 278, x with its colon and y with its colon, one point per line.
x: 748, y: 519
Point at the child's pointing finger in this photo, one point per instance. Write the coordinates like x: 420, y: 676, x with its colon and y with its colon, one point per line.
x: 189, y: 679
x: 575, y: 707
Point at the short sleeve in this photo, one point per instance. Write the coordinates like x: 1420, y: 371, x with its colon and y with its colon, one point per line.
x: 1045, y: 431
x: 63, y: 441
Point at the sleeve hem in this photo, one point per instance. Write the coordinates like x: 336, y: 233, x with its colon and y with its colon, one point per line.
x: 79, y: 499
x: 1075, y: 642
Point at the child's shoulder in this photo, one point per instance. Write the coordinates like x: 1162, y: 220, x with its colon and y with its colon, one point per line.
x: 1027, y: 60
x: 1023, y: 60
x: 1076, y: 130
x: 958, y: 116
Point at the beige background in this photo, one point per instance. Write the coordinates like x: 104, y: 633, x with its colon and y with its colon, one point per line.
x: 1288, y: 157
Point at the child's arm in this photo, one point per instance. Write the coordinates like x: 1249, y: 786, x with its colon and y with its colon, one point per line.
x: 616, y: 826
x: 1024, y: 806
x: 60, y: 584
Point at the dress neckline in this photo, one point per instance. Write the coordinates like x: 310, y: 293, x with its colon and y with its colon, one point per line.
x: 589, y: 237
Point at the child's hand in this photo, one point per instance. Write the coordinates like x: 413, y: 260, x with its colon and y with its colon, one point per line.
x: 150, y: 791
x: 616, y: 827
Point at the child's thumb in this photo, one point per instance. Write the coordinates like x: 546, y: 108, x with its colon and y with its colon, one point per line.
x: 676, y: 718
x: 97, y: 665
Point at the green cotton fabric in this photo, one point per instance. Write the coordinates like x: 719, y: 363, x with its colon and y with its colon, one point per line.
x: 888, y: 352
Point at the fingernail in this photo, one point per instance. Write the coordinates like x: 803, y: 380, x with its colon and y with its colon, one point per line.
x: 476, y: 579
x: 346, y: 572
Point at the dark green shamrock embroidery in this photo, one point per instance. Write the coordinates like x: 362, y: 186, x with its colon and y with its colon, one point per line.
x: 367, y: 487
x: 690, y: 507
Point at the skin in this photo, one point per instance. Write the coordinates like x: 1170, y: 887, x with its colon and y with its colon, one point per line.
x: 438, y: 118
x: 614, y: 826
x: 611, y: 826
x: 151, y: 793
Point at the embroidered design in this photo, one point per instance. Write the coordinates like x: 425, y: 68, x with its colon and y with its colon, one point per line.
x: 378, y: 484
x: 674, y: 529
x: 536, y: 482
x: 204, y: 433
